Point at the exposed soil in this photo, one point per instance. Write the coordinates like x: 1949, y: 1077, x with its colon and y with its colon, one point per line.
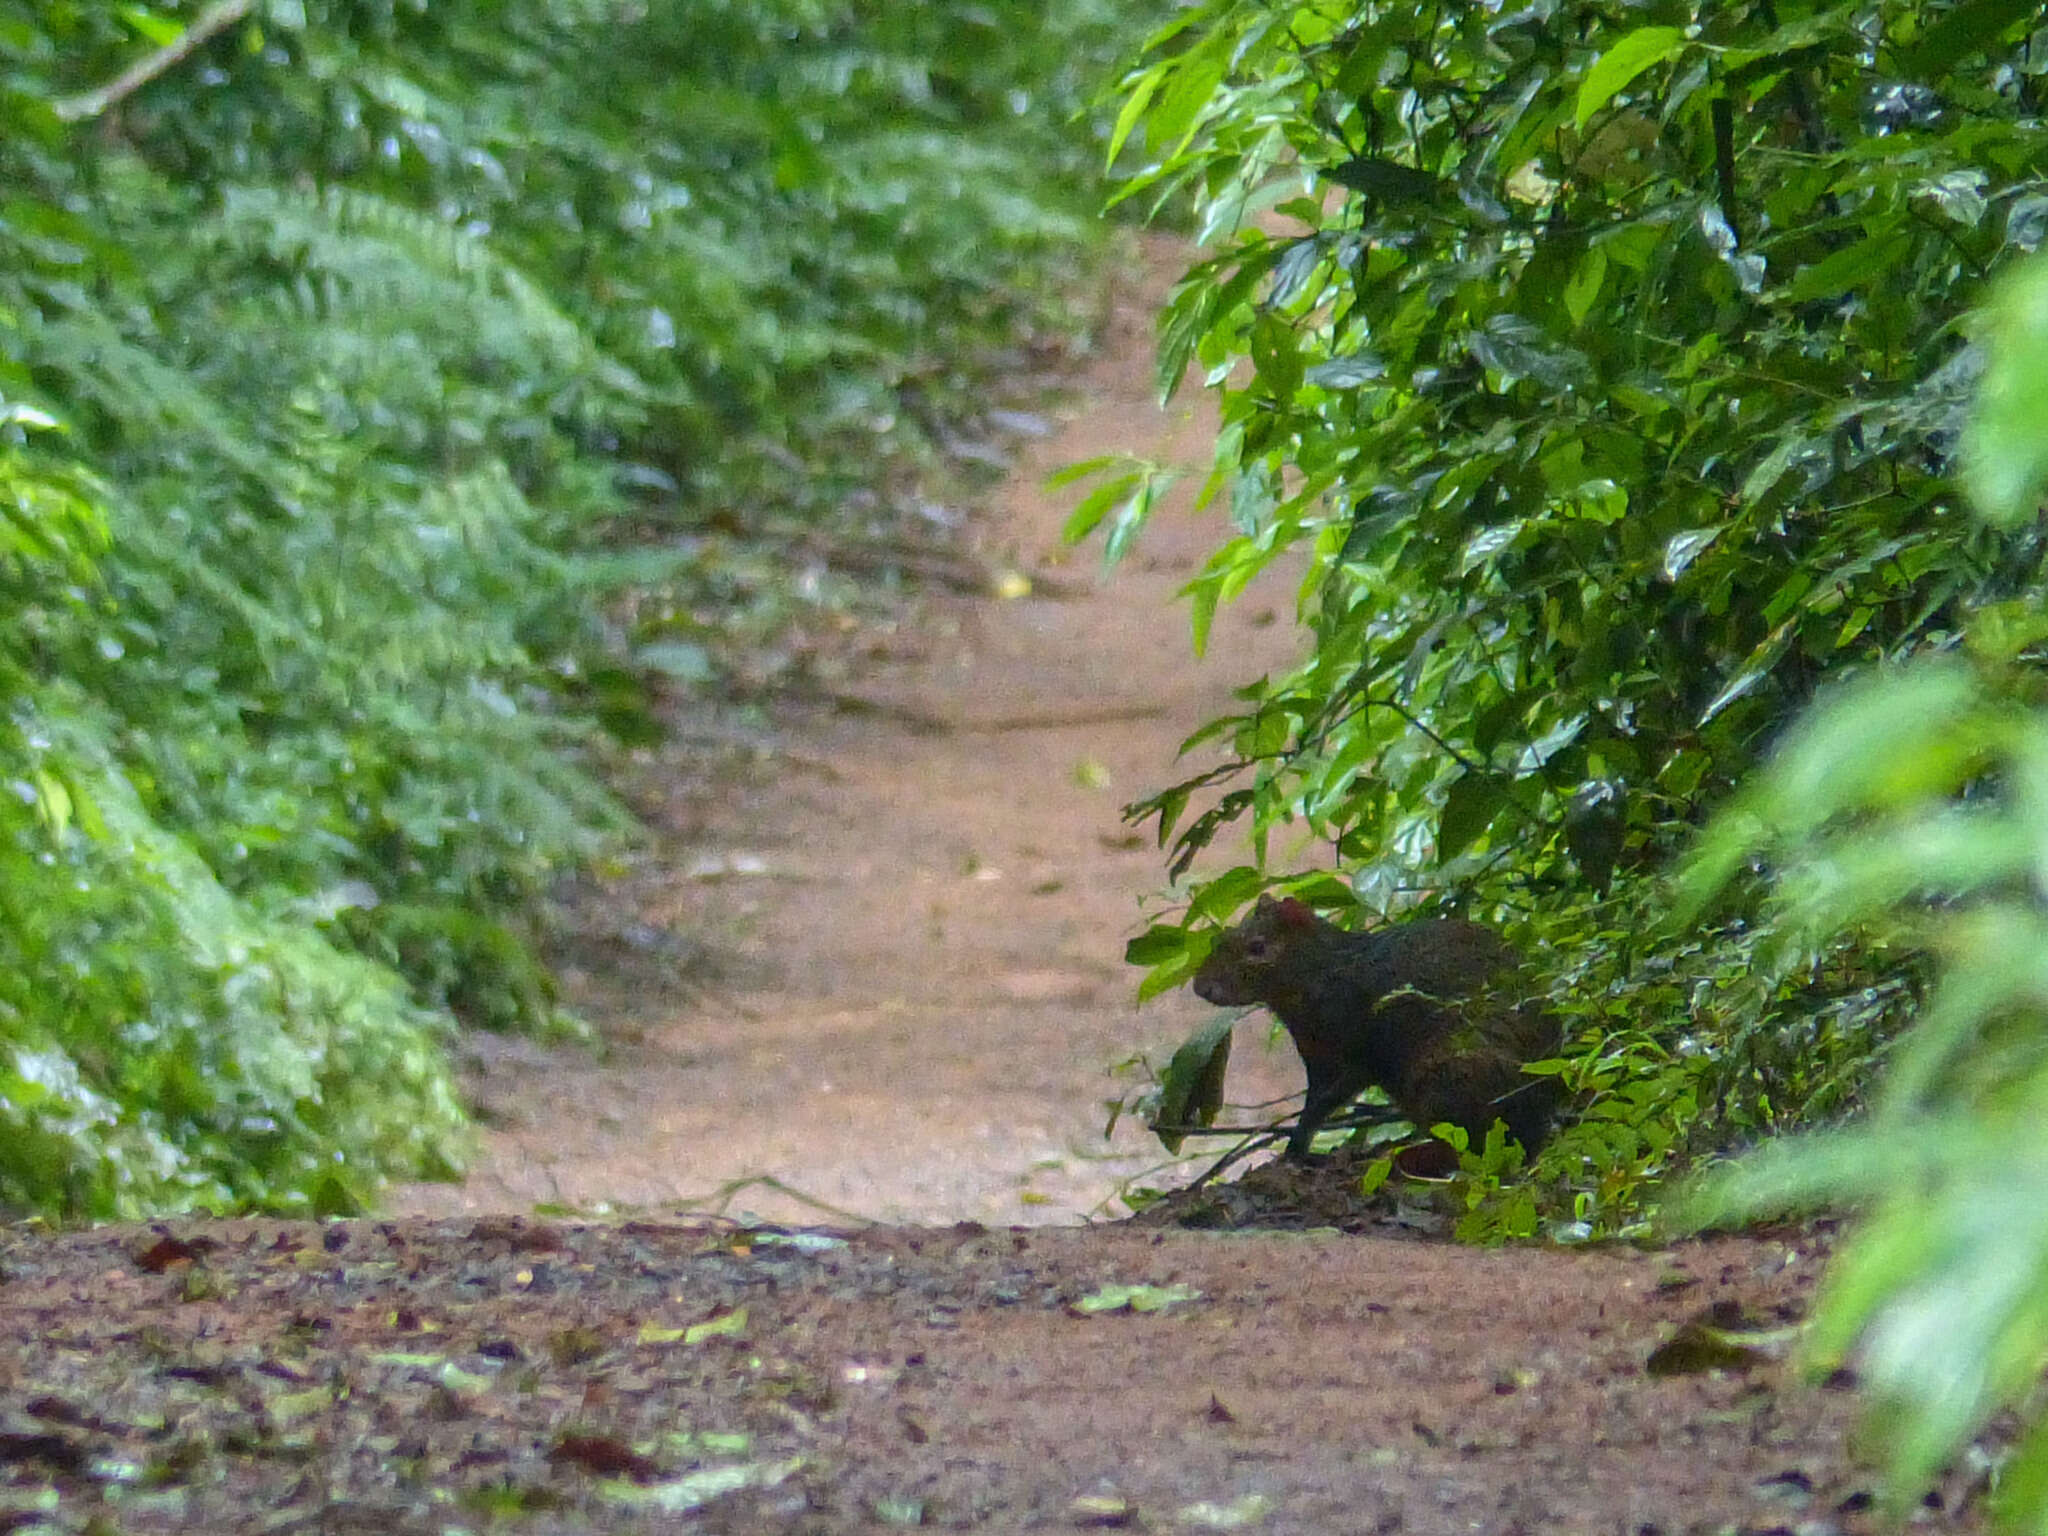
x: 880, y: 945
x: 503, y: 1374
x: 875, y: 955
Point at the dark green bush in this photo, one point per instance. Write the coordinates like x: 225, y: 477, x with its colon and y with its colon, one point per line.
x: 1915, y: 803
x: 1606, y: 368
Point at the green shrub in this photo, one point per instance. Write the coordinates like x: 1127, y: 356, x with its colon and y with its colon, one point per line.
x: 391, y: 343
x: 1604, y: 370
x: 1913, y: 806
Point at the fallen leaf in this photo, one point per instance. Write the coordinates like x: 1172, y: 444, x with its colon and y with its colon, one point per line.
x: 1134, y: 1298
x: 603, y: 1455
x: 730, y: 1325
x: 167, y: 1252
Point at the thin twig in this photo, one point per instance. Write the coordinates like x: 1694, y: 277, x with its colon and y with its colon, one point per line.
x: 955, y: 570
x: 210, y: 24
x: 928, y: 723
x: 1061, y: 719
x: 1242, y: 1150
x: 726, y: 1193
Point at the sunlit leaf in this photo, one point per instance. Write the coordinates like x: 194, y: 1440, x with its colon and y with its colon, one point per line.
x: 1612, y: 73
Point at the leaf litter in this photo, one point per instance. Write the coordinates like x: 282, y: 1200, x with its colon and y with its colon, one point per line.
x: 503, y: 1374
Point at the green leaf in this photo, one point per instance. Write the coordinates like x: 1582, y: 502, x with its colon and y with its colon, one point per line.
x: 1469, y: 808
x: 1222, y: 896
x: 1203, y: 597
x: 732, y: 1324
x: 1963, y: 29
x: 2005, y: 444
x: 1095, y: 506
x: 1614, y: 69
x: 1081, y: 469
x: 1169, y: 974
x: 1754, y: 669
x: 1800, y: 43
x: 1135, y: 1298
x: 1582, y: 289
x: 1138, y: 95
x: 1391, y: 182
x: 1159, y: 943
x: 1191, y: 1088
x: 1135, y: 512
x: 1854, y: 266
x: 1186, y: 90
x: 159, y: 30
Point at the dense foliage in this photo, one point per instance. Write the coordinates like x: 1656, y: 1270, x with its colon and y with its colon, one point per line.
x: 1605, y: 368
x: 353, y: 355
x: 1916, y: 800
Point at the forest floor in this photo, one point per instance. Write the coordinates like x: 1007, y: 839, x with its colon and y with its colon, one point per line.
x: 874, y: 958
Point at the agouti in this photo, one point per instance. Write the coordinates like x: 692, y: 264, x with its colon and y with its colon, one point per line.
x: 1427, y: 1010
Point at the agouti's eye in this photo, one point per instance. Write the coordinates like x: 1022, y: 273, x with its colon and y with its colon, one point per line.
x: 1255, y: 949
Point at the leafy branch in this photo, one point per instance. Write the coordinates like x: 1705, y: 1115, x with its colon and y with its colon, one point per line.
x: 207, y: 25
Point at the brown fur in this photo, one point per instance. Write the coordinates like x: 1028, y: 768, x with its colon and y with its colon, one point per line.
x: 1427, y: 1010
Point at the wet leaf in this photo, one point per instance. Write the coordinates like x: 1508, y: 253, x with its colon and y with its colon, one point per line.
x: 603, y: 1455
x: 168, y: 1252
x: 1238, y: 1515
x: 682, y: 1494
x: 1722, y: 1338
x: 727, y: 1325
x: 1191, y: 1088
x: 576, y: 1345
x: 1346, y: 372
x: 1683, y: 548
x: 1101, y: 1511
x: 1134, y: 1298
x: 286, y: 1407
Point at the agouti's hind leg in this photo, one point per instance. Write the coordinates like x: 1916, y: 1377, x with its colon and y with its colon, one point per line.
x: 1472, y: 1089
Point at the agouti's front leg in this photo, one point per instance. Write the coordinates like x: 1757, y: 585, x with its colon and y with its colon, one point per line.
x: 1330, y: 1087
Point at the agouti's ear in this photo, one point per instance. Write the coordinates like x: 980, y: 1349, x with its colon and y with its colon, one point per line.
x: 1294, y: 912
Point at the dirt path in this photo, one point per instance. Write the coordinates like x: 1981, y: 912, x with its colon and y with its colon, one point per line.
x: 919, y: 910
x: 424, y: 1378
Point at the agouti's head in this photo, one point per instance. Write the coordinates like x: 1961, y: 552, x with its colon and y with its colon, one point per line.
x: 1240, y: 968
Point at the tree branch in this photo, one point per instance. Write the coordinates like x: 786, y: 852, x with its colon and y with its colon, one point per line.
x: 208, y: 25
x: 1723, y: 113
